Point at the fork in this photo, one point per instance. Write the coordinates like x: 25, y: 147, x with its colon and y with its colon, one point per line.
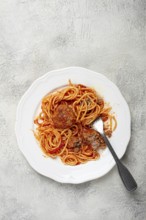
x: 125, y: 175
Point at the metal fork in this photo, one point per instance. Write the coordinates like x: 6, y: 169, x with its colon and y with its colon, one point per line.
x: 125, y: 175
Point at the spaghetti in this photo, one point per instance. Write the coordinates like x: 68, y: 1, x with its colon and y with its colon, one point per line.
x: 63, y: 127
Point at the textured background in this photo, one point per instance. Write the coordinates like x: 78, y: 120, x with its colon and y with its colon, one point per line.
x: 108, y: 36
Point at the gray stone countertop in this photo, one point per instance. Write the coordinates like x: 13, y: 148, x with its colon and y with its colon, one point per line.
x: 37, y: 36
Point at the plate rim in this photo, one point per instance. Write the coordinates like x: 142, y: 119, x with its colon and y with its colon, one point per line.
x: 53, y: 176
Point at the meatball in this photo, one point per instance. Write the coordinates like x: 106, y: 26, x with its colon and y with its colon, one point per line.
x: 93, y: 138
x: 63, y: 117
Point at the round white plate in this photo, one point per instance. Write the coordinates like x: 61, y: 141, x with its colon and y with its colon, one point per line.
x: 54, y: 168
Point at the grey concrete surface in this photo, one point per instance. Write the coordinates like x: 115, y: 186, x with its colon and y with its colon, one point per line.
x: 36, y: 36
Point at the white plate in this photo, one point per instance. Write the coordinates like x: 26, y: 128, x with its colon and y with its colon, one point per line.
x: 54, y: 168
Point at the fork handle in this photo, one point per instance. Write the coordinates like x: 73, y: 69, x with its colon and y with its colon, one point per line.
x: 125, y: 175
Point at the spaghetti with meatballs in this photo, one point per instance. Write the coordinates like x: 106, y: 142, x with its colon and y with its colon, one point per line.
x: 64, y: 125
